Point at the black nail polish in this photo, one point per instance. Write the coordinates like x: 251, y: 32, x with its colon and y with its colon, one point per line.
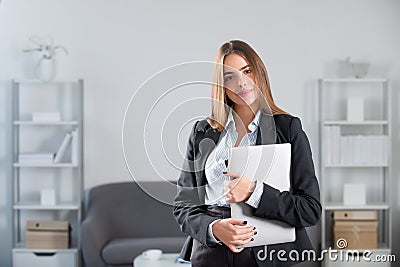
x: 255, y: 233
x: 254, y: 228
x: 224, y: 172
x: 252, y: 239
x: 244, y: 222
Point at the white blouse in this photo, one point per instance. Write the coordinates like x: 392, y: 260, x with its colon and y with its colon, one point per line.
x: 215, y: 164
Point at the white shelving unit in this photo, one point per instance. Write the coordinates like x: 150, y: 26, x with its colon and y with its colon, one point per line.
x: 333, y: 95
x: 65, y: 177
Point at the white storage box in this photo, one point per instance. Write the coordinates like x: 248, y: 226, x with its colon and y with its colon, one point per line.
x: 354, y: 194
x: 355, y: 109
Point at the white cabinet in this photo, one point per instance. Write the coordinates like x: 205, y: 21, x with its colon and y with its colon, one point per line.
x: 58, y: 258
x: 355, y: 153
x: 45, y: 115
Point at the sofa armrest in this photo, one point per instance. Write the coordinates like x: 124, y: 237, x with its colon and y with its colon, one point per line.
x: 95, y: 233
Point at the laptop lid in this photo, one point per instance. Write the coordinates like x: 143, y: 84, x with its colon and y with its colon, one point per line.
x: 268, y: 164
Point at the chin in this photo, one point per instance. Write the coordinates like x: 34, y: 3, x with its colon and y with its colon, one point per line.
x: 249, y: 99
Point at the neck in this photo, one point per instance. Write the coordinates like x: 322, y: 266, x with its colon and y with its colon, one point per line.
x: 245, y: 114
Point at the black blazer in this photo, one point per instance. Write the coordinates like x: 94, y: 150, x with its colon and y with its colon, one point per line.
x: 299, y: 208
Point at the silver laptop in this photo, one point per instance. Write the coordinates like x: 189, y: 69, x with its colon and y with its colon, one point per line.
x: 268, y: 164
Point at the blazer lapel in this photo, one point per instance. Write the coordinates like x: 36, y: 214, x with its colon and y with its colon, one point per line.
x: 266, y: 130
x: 207, y: 143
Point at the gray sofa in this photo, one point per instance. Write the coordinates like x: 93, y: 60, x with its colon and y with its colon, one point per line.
x: 122, y: 221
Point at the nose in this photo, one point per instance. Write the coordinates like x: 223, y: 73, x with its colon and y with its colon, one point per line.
x: 242, y: 81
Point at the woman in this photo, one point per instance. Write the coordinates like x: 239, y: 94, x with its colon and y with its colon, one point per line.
x: 243, y: 113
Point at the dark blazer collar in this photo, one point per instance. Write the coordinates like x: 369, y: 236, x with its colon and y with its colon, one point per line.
x: 209, y: 139
x: 266, y: 130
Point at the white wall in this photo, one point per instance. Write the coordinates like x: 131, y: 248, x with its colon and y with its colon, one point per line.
x: 116, y: 45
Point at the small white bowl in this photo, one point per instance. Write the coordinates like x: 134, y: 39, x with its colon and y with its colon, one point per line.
x: 152, y: 254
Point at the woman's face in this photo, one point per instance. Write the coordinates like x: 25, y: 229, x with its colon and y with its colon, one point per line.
x: 239, y: 80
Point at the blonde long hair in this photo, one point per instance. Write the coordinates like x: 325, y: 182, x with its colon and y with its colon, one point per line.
x: 220, y: 102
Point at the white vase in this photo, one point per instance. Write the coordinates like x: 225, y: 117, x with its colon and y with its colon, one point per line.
x: 45, y: 70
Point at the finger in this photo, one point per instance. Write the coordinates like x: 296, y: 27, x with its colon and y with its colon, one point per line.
x: 237, y: 222
x: 228, y: 197
x: 229, y: 200
x: 242, y: 241
x: 235, y: 249
x: 245, y: 236
x: 228, y: 194
x: 233, y: 199
x: 235, y: 182
x: 231, y: 185
x: 233, y: 174
x: 244, y: 230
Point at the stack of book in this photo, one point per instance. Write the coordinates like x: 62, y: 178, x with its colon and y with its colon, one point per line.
x: 70, y: 142
x: 364, y: 149
x: 332, y: 144
x: 355, y: 149
x: 36, y: 158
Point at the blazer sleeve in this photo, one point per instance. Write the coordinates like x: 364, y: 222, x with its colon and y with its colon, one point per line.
x: 300, y: 207
x: 189, y: 210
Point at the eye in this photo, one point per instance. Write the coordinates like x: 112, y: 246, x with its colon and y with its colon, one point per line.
x: 228, y: 78
x: 248, y: 71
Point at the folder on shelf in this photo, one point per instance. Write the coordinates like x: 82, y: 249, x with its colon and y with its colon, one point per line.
x: 268, y: 164
x: 63, y: 148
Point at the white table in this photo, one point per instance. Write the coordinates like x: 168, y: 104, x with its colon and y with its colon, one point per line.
x: 166, y: 260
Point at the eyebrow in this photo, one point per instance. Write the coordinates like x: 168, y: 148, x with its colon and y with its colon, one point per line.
x: 242, y: 68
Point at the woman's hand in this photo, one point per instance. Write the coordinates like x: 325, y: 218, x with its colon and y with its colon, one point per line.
x: 239, y: 189
x: 226, y: 231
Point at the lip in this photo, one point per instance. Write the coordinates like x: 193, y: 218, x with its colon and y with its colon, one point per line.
x: 244, y: 93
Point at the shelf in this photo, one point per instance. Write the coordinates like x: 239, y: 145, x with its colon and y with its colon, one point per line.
x: 369, y: 206
x: 67, y: 98
x: 356, y: 165
x: 44, y: 123
x: 357, y: 151
x: 343, y: 122
x: 20, y: 247
x: 37, y: 206
x: 354, y: 80
x: 48, y: 82
x: 45, y: 165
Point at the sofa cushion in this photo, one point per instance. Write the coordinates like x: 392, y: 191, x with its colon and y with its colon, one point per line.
x: 123, y: 250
